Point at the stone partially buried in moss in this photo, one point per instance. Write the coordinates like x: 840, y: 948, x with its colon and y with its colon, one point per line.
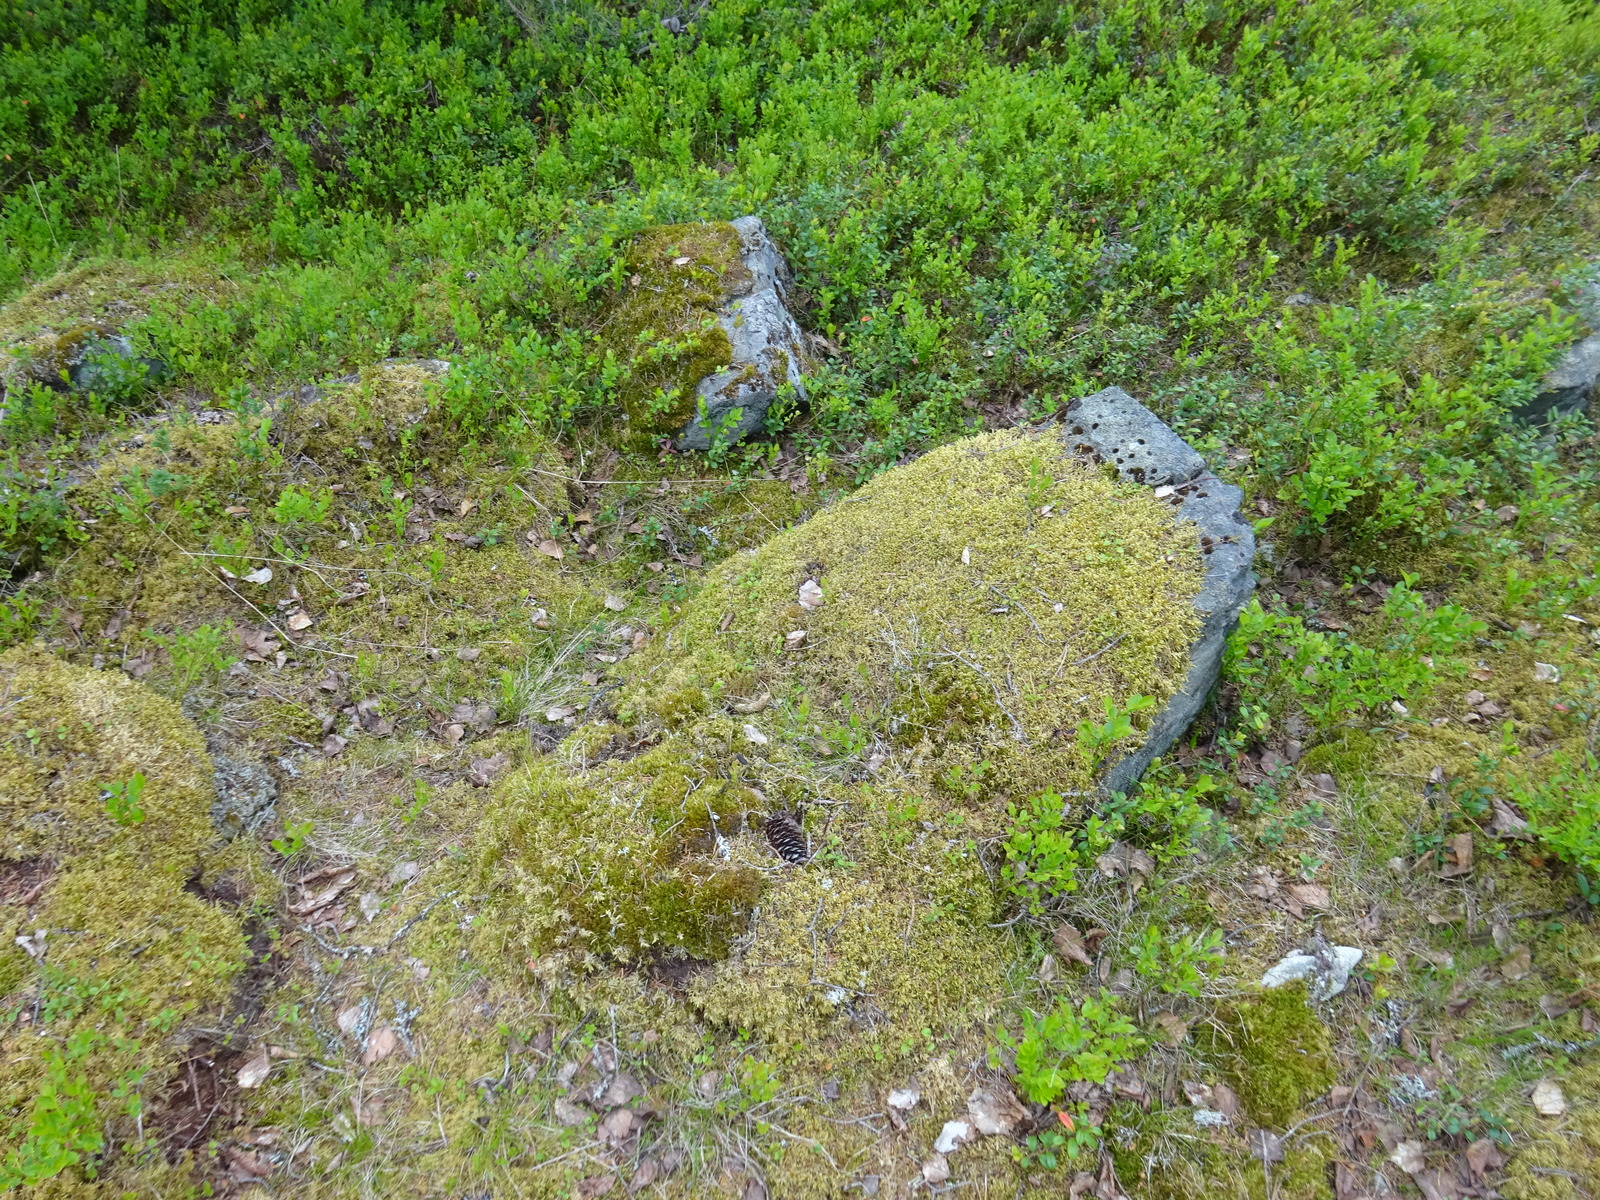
x: 56, y: 327
x: 1276, y: 1050
x: 703, y: 331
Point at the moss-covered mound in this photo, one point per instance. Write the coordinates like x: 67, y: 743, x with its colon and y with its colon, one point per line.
x: 623, y: 859
x: 994, y: 593
x: 663, y: 327
x: 960, y: 616
x: 67, y: 734
x: 382, y: 409
x: 105, y: 794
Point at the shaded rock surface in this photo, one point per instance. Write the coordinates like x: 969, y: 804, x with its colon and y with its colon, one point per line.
x: 1570, y: 388
x: 1121, y: 431
x: 768, y: 350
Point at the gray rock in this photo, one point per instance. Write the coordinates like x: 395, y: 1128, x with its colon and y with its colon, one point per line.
x: 246, y: 794
x: 1119, y: 430
x: 1568, y: 389
x: 107, y: 363
x: 768, y: 350
x: 1326, y: 969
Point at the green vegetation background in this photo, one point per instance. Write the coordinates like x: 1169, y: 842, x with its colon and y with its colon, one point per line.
x: 1335, y: 244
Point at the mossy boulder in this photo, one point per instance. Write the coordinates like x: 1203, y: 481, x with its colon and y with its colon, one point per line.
x: 703, y: 332
x: 124, y: 948
x: 991, y: 595
x: 1276, y: 1050
x: 953, y: 622
x: 67, y: 330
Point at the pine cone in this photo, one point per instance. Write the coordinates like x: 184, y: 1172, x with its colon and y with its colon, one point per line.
x: 787, y: 838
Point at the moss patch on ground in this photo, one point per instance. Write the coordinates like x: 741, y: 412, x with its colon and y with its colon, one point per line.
x: 1277, y: 1051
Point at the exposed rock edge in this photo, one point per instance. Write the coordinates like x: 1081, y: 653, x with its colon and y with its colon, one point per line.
x: 1120, y: 431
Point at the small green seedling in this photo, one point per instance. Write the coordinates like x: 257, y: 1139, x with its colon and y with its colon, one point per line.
x: 122, y: 800
x: 294, y: 838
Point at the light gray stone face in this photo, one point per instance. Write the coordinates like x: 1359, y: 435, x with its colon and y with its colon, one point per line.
x: 1119, y: 430
x: 768, y: 349
x: 1568, y: 389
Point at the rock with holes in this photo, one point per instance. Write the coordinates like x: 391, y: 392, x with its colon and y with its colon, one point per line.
x: 1118, y: 430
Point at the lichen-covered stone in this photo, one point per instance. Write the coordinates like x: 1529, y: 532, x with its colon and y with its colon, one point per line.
x: 246, y: 794
x: 768, y: 350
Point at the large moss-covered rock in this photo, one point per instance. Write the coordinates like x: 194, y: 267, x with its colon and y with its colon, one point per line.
x: 952, y: 623
x: 994, y: 593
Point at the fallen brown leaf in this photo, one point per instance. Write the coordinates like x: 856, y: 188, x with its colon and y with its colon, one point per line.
x: 1310, y: 895
x: 484, y: 771
x: 995, y: 1110
x: 382, y: 1043
x: 255, y: 1069
x: 1460, y: 855
x: 1483, y: 1156
x: 1069, y: 944
x: 310, y: 901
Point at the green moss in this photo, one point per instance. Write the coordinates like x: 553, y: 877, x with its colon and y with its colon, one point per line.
x: 1346, y: 757
x: 625, y: 859
x: 1276, y: 1050
x: 387, y: 408
x: 67, y: 734
x: 663, y: 326
x: 132, y: 951
x: 952, y: 611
